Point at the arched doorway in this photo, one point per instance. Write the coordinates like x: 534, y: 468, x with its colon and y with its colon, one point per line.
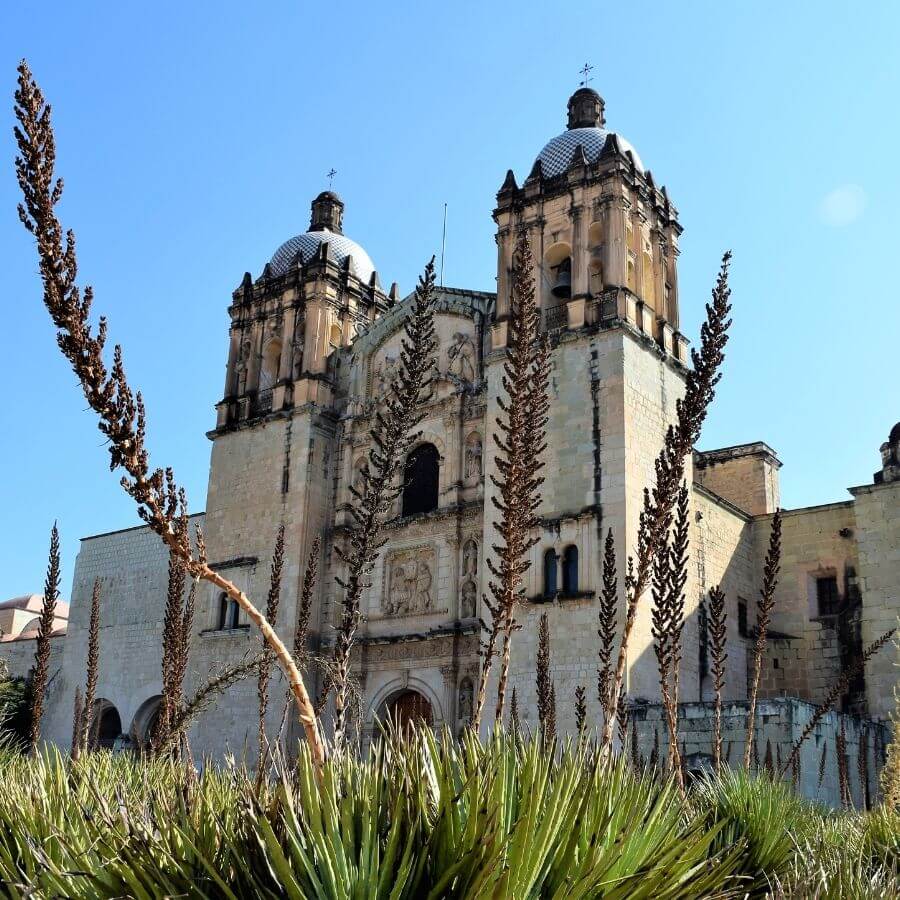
x: 143, y: 727
x: 108, y: 724
x: 409, y: 707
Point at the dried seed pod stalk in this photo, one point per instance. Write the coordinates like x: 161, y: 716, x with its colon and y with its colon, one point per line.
x: 763, y: 617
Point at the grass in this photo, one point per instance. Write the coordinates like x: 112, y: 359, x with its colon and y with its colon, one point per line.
x: 424, y: 817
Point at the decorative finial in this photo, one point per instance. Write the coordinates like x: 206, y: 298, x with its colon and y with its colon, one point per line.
x: 584, y: 72
x: 330, y: 175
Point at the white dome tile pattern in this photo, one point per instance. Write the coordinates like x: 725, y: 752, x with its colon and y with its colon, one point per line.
x: 339, y: 248
x: 558, y: 152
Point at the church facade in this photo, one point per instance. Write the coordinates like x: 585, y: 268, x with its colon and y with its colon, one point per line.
x: 312, y: 344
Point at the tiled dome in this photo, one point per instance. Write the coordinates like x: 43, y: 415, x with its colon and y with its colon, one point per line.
x: 557, y: 153
x: 339, y: 248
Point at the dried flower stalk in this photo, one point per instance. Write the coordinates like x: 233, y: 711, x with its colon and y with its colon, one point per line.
x: 120, y: 411
x: 718, y: 640
x: 77, y: 716
x: 42, y: 647
x: 301, y: 631
x: 520, y: 442
x: 609, y: 598
x: 822, y: 760
x: 843, y: 775
x: 393, y: 436
x: 93, y: 668
x: 267, y: 658
x: 514, y: 725
x: 580, y: 709
x: 544, y: 683
x: 764, y: 608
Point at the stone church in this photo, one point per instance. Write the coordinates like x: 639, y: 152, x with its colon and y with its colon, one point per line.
x: 312, y: 343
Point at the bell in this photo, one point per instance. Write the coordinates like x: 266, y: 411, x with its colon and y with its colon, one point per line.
x: 562, y: 287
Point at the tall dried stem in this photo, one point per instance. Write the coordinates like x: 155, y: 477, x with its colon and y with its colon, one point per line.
x: 42, y: 647
x: 514, y: 725
x: 93, y: 668
x: 764, y: 608
x: 822, y: 760
x: 520, y: 441
x: 609, y: 599
x: 843, y: 773
x: 580, y: 709
x: 121, y: 414
x: 656, y: 516
x: 890, y: 772
x: 392, y: 436
x: 718, y: 641
x: 267, y: 658
x: 301, y: 630
x: 544, y: 683
x: 77, y: 717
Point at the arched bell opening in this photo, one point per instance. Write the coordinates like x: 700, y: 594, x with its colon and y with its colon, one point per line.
x: 558, y: 274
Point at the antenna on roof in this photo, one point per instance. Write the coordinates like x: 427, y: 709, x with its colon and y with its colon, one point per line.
x: 443, y: 245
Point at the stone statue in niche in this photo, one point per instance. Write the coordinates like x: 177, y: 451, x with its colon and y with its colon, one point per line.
x: 474, y: 453
x: 409, y: 583
x: 461, y: 358
x: 466, y: 702
x: 470, y: 559
x: 468, y: 600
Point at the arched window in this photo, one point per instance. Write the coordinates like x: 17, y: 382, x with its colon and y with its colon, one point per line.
x: 228, y: 612
x: 270, y: 362
x: 420, y: 480
x: 550, y: 581
x: 570, y: 569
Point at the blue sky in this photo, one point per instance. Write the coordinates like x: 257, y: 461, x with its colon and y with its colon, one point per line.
x: 192, y: 137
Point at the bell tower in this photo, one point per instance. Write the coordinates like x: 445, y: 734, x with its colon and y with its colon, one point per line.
x: 603, y: 234
x: 604, y: 240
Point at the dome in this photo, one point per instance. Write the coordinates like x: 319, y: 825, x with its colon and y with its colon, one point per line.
x: 557, y: 153
x: 585, y: 127
x: 340, y: 248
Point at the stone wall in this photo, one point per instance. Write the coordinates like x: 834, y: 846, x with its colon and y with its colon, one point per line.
x: 877, y: 514
x: 133, y: 568
x: 780, y: 722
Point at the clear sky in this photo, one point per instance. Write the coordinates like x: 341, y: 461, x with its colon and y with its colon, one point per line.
x: 192, y: 136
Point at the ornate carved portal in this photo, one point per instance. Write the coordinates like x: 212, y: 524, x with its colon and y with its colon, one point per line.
x: 409, y: 590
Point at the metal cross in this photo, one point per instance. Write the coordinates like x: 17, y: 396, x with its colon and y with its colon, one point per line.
x: 585, y: 74
x: 331, y: 173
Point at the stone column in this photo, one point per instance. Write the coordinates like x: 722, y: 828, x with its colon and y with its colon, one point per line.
x: 285, y: 364
x: 234, y: 349
x: 256, y: 339
x: 580, y: 224
x: 504, y: 263
x: 616, y: 252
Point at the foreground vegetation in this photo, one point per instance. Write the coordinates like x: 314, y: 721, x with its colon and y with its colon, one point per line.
x: 425, y: 817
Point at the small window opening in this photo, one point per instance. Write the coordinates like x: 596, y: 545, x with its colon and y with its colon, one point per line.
x: 570, y: 570
x: 550, y: 582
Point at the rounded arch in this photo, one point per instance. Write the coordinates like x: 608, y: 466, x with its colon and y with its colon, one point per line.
x: 144, y: 722
x: 570, y: 570
x: 551, y: 582
x: 421, y: 480
x: 271, y: 360
x: 398, y: 686
x: 107, y: 723
x: 558, y: 272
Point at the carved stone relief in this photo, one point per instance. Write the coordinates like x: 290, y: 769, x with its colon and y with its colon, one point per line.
x: 461, y: 358
x: 409, y: 582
